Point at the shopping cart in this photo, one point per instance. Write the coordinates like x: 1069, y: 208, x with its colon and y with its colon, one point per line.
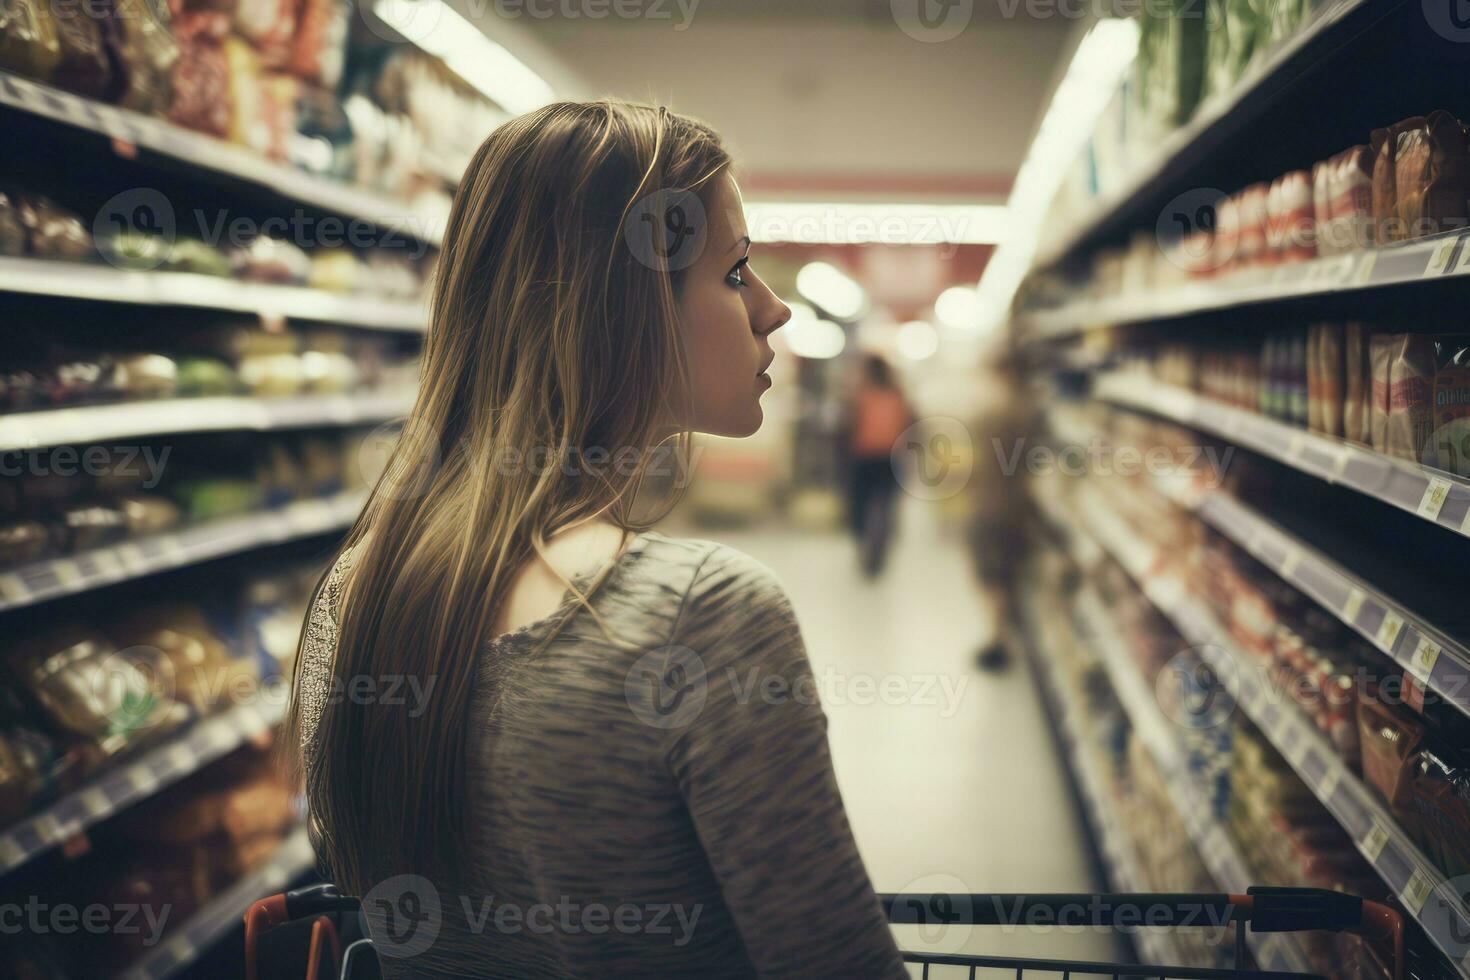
x: 318, y: 933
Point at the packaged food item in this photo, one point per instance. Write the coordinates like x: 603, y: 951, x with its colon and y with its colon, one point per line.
x: 1314, y: 378
x: 28, y: 42
x: 1322, y: 205
x: 1291, y: 222
x: 1451, y: 407
x: 1380, y: 353
x: 1357, y: 383
x: 23, y: 541
x: 141, y: 35
x: 89, y: 689
x: 267, y: 259
x: 1350, y: 177
x: 200, y: 89
x: 1296, y: 378
x: 205, y: 673
x: 203, y: 375
x: 1438, y: 794
x: 84, y: 67
x: 268, y: 25
x: 12, y: 230
x: 146, y: 375
x: 1390, y: 739
x: 1331, y: 378
x: 1251, y: 209
x: 1384, y: 143
x: 52, y: 231
x: 1409, y: 426
x: 1432, y: 176
x: 320, y: 43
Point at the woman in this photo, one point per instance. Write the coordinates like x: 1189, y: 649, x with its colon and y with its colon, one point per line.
x: 879, y: 416
x: 615, y: 763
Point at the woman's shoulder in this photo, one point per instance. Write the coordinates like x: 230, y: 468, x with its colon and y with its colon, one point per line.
x: 724, y: 592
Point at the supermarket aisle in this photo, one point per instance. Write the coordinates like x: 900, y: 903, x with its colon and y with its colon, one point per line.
x: 950, y: 778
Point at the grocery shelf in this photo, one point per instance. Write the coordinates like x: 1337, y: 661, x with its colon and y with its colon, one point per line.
x: 1428, y: 259
x: 1427, y: 653
x: 1422, y: 887
x: 207, y: 153
x: 107, y: 284
x: 1213, y: 843
x: 225, y: 911
x: 92, y: 423
x: 1221, y: 118
x: 159, y: 767
x: 53, y: 578
x: 1432, y: 494
x: 1113, y: 843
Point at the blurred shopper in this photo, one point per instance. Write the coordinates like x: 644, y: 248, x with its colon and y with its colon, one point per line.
x: 1002, y: 517
x: 878, y: 415
x: 594, y: 300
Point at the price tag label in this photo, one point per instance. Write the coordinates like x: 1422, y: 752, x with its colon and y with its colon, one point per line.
x: 1340, y: 461
x: 48, y: 828
x: 108, y: 565
x: 1364, y: 270
x: 1434, y: 498
x: 67, y: 572
x: 1353, y: 605
x: 1295, y: 446
x: 11, y: 853
x: 1416, y: 891
x: 1421, y: 664
x: 95, y: 802
x: 1329, y: 782
x: 13, y: 588
x: 1374, y: 841
x: 1440, y: 257
x: 131, y: 557
x: 1290, y: 562
x: 1389, y: 629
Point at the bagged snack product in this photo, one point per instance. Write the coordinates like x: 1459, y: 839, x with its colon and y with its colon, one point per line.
x: 1331, y: 378
x: 1291, y: 221
x: 1380, y: 356
x: 321, y: 40
x: 140, y: 35
x: 1432, y: 176
x: 28, y: 43
x: 200, y: 91
x: 1451, y: 404
x: 1410, y: 384
x: 1351, y: 199
x: 53, y: 232
x: 1385, y: 143
x: 1390, y: 738
x: 1314, y: 378
x: 1357, y: 383
x: 84, y: 66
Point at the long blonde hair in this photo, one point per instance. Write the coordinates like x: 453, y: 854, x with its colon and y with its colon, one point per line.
x: 550, y: 333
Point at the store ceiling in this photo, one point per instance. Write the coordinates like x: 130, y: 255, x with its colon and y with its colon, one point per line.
x: 819, y: 99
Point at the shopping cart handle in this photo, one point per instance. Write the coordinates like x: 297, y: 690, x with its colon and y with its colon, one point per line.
x: 316, y: 900
x: 1303, y: 909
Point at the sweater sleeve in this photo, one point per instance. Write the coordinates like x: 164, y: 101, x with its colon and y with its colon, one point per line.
x: 752, y: 762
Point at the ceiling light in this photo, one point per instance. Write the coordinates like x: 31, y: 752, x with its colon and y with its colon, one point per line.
x: 917, y: 340
x: 816, y: 339
x: 831, y: 289
x: 1092, y: 79
x: 465, y: 50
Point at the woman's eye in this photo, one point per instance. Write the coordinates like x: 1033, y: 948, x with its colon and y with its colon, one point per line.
x: 734, y: 278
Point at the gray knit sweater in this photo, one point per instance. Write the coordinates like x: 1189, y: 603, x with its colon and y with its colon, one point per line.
x: 663, y: 805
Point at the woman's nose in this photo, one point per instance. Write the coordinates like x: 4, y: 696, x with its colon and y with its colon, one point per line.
x: 776, y: 317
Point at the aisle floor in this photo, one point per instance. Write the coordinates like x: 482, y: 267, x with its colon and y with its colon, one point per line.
x: 952, y: 781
